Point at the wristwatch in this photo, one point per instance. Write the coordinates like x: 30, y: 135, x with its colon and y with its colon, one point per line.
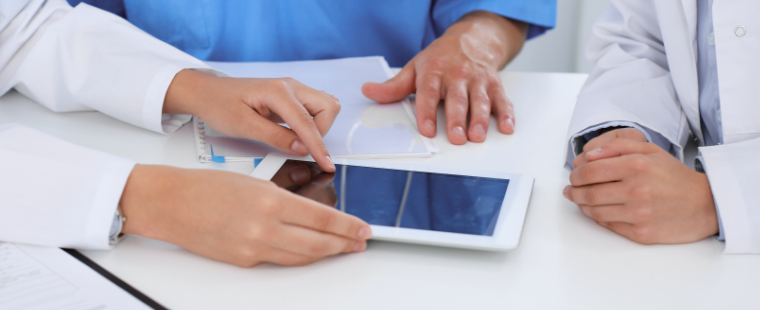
x: 116, y: 227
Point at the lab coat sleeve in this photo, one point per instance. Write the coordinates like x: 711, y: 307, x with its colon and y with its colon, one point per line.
x: 88, y: 59
x: 733, y: 171
x: 52, y: 192
x: 630, y: 81
x: 55, y: 193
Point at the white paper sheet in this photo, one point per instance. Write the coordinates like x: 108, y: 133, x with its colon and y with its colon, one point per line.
x: 34, y: 277
x: 363, y: 129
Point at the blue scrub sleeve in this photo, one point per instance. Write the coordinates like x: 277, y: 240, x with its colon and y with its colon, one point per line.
x: 540, y: 14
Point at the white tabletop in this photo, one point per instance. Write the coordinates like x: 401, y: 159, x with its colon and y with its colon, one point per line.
x: 564, y: 259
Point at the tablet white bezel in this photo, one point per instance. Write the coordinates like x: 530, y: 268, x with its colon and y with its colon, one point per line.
x: 508, y: 228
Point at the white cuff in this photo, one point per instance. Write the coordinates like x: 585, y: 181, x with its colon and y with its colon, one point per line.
x: 110, y: 187
x: 153, y: 117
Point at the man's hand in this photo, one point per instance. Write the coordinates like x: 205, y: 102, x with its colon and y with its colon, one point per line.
x: 461, y: 67
x: 638, y: 190
x: 235, y: 218
x: 251, y: 108
x: 608, y: 134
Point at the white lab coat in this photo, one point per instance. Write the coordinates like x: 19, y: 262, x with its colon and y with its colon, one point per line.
x: 53, y: 192
x: 645, y: 55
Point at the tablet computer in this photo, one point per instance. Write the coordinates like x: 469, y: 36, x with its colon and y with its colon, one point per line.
x: 411, y: 203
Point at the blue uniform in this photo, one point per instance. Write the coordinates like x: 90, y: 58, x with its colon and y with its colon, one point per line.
x: 284, y: 30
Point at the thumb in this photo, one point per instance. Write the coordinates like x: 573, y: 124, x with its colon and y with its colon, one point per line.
x: 394, y: 89
x: 621, y: 147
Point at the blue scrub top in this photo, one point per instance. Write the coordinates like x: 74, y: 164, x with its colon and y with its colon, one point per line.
x: 285, y: 30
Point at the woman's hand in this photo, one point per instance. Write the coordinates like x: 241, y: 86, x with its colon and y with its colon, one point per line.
x: 235, y: 218
x: 251, y: 108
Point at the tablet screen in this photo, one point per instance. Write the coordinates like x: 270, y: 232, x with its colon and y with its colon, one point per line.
x: 409, y: 199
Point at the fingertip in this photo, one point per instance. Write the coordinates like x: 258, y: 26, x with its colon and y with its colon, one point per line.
x: 328, y: 164
x: 360, y: 247
x: 477, y: 133
x: 566, y: 192
x: 507, y: 126
x: 364, y: 233
x: 368, y: 89
x: 429, y: 128
x: 457, y: 136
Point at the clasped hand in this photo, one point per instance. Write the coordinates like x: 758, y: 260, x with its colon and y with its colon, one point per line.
x: 638, y: 190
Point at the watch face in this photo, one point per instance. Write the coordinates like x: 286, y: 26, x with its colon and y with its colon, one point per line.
x: 117, y: 225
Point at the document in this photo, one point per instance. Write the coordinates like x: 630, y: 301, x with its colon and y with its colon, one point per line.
x: 363, y: 129
x: 35, y: 277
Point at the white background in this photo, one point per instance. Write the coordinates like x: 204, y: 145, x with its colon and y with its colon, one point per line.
x: 562, y: 49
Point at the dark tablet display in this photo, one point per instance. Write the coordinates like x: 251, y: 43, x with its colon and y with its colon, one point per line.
x: 387, y: 197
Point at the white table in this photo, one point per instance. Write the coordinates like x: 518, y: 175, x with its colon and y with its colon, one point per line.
x: 564, y: 260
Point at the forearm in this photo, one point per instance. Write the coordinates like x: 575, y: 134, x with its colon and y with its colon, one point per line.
x: 503, y: 37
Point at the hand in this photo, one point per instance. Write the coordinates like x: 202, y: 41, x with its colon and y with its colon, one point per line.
x: 460, y: 67
x: 250, y: 108
x: 235, y: 218
x: 307, y: 180
x: 607, y: 135
x: 638, y: 190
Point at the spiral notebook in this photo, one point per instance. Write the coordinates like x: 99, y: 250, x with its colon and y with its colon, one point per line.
x: 363, y: 129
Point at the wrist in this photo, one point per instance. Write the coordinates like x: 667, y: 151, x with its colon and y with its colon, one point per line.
x: 146, y: 187
x: 185, y: 93
x: 503, y: 38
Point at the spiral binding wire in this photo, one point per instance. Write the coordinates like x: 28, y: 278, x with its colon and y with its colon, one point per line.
x: 202, y: 139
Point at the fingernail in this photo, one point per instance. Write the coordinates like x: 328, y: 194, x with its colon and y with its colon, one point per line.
x: 509, y: 123
x: 566, y: 192
x: 458, y: 132
x: 594, y: 152
x: 330, y: 162
x: 299, y: 148
x: 429, y: 126
x: 359, y: 247
x: 300, y: 175
x: 478, y: 130
x: 364, y: 233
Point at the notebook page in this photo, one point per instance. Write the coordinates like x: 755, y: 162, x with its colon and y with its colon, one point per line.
x: 34, y: 277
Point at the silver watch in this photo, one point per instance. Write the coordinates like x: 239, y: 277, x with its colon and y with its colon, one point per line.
x: 116, y: 227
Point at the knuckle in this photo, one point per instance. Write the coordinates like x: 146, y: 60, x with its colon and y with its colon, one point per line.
x: 586, y: 172
x: 245, y: 257
x: 480, y: 99
x: 280, y: 84
x: 590, y: 196
x: 643, y: 234
x: 593, y: 213
x: 302, y: 261
x: 457, y: 96
x: 642, y: 192
x: 638, y: 163
x: 277, y: 137
x: 259, y: 233
x: 436, y: 63
x: 323, y: 221
x: 429, y: 87
x: 288, y: 80
x: 318, y: 249
x: 644, y: 213
x: 463, y: 71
